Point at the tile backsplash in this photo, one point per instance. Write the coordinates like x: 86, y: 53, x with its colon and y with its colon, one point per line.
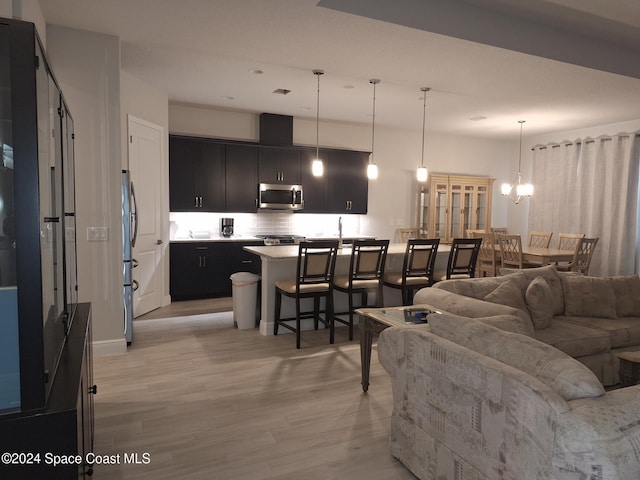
x: 250, y: 224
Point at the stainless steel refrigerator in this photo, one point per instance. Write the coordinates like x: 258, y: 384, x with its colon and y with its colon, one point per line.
x: 129, y: 234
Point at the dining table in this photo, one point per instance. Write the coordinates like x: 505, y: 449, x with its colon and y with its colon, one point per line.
x: 545, y: 256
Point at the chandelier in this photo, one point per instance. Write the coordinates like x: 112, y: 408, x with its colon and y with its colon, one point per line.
x: 518, y: 189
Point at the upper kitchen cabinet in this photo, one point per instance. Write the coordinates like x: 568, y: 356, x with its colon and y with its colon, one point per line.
x: 279, y: 165
x: 196, y: 172
x: 314, y: 189
x: 347, y: 183
x: 241, y: 179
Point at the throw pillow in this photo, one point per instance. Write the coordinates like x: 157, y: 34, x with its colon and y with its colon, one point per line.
x: 508, y: 294
x: 588, y: 297
x: 626, y: 289
x: 550, y: 274
x: 540, y: 302
x: 563, y: 374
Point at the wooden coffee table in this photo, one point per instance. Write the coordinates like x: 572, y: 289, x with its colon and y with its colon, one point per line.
x: 374, y: 320
x: 629, y: 368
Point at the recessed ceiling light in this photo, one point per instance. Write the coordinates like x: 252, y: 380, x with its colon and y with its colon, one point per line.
x: 256, y: 71
x: 304, y: 107
x: 282, y: 91
x: 478, y: 118
x: 349, y: 87
x: 227, y: 97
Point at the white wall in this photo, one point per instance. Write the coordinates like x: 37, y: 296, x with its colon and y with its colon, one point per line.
x: 393, y: 196
x: 87, y: 66
x: 146, y: 102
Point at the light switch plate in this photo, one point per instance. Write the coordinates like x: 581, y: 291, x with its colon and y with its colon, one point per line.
x: 97, y: 234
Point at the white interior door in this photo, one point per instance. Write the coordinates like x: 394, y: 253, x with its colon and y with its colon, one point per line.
x: 145, y: 154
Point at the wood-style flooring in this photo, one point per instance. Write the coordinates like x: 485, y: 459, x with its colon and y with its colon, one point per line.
x: 205, y: 400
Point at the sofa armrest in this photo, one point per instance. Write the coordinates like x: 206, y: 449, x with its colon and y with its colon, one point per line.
x: 466, y: 408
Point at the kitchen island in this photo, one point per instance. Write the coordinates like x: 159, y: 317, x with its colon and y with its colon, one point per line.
x: 279, y: 263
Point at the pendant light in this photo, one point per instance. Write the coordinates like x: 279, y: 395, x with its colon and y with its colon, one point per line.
x: 518, y: 189
x: 422, y: 172
x: 372, y: 168
x: 317, y: 166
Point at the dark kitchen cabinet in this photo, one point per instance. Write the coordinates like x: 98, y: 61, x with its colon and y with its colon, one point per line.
x: 279, y: 165
x: 198, y: 270
x: 202, y: 269
x: 196, y: 172
x: 347, y: 183
x: 46, y: 389
x: 241, y: 179
x: 314, y: 189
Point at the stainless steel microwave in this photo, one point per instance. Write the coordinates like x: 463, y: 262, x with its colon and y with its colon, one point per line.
x: 275, y: 196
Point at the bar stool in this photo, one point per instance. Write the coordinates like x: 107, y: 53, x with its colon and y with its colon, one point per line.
x: 462, y: 259
x: 417, y: 268
x: 314, y: 279
x: 366, y: 270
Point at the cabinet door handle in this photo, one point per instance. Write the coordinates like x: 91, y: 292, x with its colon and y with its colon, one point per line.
x: 247, y: 261
x: 204, y: 261
x: 196, y: 199
x: 93, y: 389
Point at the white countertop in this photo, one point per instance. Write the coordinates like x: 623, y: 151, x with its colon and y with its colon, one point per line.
x: 251, y: 238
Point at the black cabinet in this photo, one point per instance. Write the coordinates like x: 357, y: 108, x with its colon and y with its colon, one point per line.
x: 241, y: 179
x: 344, y: 187
x: 196, y: 172
x: 198, y: 269
x: 202, y: 269
x: 279, y: 165
x: 347, y: 183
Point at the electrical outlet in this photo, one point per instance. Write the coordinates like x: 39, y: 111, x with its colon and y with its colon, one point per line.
x: 97, y: 234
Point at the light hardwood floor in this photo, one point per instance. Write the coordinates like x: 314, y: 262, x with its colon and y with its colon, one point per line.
x: 208, y: 401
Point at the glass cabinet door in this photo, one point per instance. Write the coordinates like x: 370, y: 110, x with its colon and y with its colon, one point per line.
x: 440, y: 206
x: 71, y: 270
x: 10, y: 398
x: 482, y: 197
x: 468, y: 211
x: 455, y: 229
x: 423, y: 212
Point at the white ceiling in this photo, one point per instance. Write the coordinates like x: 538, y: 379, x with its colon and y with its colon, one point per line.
x: 201, y: 52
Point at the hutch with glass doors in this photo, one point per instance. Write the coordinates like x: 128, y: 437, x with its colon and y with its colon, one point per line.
x: 449, y: 205
x: 46, y: 389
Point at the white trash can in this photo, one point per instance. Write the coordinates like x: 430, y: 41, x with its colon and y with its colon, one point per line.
x: 245, y: 295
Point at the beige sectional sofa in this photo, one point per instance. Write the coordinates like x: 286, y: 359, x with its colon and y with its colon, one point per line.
x: 475, y: 402
x: 588, y: 318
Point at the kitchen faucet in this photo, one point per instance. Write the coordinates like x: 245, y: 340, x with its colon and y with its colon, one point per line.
x: 339, y: 232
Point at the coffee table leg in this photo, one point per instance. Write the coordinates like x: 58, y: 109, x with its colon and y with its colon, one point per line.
x: 366, y: 340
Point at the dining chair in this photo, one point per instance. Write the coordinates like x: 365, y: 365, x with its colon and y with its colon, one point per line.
x: 417, y: 268
x: 365, y: 276
x: 510, y: 250
x: 462, y: 259
x: 499, y: 230
x: 488, y: 258
x: 582, y: 256
x: 568, y: 241
x: 540, y: 239
x: 405, y: 234
x: 314, y: 279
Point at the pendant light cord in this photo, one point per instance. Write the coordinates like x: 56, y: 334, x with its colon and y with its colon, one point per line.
x: 424, y: 118
x: 374, y: 82
x: 520, y: 154
x: 317, y: 73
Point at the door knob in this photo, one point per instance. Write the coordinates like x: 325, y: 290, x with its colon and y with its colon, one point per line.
x: 159, y: 242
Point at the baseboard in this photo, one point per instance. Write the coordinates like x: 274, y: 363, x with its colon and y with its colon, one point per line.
x: 166, y: 300
x: 103, y: 348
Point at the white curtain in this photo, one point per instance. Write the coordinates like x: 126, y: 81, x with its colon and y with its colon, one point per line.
x: 591, y: 187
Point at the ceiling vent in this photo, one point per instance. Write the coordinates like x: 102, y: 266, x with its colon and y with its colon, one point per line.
x: 282, y: 91
x: 276, y: 129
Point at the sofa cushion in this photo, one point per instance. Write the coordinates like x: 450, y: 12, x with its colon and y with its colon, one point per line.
x: 588, y: 297
x: 622, y: 331
x: 554, y: 368
x: 539, y: 300
x: 574, y: 339
x: 550, y: 274
x: 626, y: 289
x: 510, y: 294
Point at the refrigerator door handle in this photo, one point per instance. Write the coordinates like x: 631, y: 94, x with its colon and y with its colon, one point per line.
x: 134, y: 216
x: 134, y: 263
x: 135, y: 285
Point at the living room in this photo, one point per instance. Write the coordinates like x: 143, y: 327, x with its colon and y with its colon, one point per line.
x: 88, y: 61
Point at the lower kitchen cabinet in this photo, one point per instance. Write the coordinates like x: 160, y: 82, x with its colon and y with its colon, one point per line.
x: 202, y: 269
